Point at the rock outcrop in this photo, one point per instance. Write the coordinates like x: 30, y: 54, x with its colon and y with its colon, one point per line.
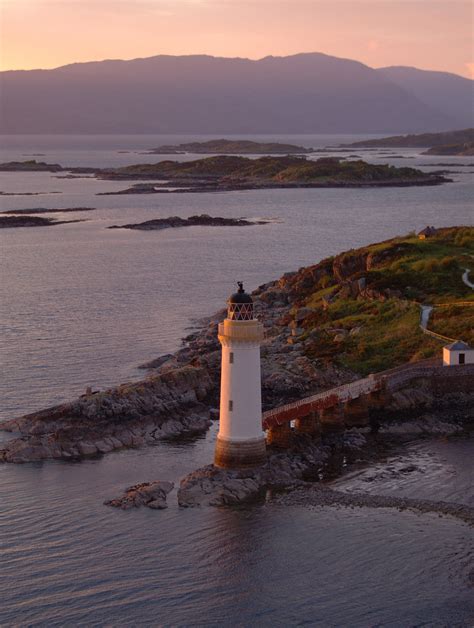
x: 149, y: 494
x: 307, y: 459
x: 131, y: 415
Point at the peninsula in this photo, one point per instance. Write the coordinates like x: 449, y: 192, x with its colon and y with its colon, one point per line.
x: 7, y: 222
x: 325, y: 325
x: 231, y: 147
x: 462, y: 149
x: 447, y: 143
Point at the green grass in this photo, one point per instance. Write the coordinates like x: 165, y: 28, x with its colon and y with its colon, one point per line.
x: 454, y: 321
x: 282, y: 169
x: 378, y: 328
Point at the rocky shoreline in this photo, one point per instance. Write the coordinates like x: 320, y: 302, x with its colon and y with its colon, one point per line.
x: 180, y: 393
x: 323, y: 496
x: 200, y: 185
x: 131, y: 415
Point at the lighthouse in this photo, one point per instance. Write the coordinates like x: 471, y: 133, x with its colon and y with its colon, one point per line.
x: 240, y: 441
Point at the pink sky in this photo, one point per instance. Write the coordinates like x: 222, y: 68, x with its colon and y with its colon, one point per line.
x: 429, y: 34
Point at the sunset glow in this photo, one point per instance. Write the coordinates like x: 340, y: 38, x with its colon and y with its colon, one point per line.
x: 428, y: 34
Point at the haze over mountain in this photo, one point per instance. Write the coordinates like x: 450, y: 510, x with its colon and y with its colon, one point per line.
x: 449, y: 93
x: 305, y: 93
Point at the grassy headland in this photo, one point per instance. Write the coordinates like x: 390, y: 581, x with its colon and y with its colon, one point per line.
x: 361, y: 309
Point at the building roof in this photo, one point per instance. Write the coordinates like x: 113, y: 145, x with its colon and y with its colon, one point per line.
x: 459, y: 345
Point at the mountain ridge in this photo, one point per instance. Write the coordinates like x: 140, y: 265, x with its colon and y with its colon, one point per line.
x: 302, y: 93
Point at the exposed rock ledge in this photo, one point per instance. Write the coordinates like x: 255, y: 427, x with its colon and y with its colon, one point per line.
x: 211, y: 486
x: 310, y: 459
x: 318, y: 495
x: 149, y: 494
x: 130, y: 415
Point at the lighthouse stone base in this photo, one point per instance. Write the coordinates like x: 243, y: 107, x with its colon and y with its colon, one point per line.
x: 245, y: 454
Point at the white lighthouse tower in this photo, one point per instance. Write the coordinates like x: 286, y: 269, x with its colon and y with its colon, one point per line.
x: 241, y: 441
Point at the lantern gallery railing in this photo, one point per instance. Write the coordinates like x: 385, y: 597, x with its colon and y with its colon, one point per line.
x: 243, y: 330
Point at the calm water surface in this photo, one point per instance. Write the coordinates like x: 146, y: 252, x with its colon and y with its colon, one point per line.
x: 82, y: 305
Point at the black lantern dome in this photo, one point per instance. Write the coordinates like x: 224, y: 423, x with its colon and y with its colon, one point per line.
x: 240, y: 305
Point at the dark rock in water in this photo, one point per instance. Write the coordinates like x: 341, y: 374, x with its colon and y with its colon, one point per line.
x: 7, y: 222
x: 175, y: 221
x: 149, y: 494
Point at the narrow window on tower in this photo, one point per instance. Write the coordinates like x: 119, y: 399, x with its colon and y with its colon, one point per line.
x: 231, y: 405
x: 231, y: 357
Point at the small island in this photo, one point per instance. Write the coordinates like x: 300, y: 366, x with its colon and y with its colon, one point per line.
x: 174, y: 222
x: 226, y: 173
x: 29, y: 166
x: 231, y: 147
x: 45, y: 210
x: 41, y: 166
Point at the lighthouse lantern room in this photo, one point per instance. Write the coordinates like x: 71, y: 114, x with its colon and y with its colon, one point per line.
x: 241, y: 440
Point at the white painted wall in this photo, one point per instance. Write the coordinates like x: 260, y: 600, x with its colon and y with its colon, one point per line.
x: 451, y: 358
x: 241, y: 383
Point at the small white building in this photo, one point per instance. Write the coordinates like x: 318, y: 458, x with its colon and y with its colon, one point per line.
x: 456, y: 353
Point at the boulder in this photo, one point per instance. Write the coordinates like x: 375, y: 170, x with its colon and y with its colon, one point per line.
x: 149, y: 494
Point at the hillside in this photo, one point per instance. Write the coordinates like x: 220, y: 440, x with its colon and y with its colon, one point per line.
x: 446, y: 92
x: 359, y: 310
x: 304, y: 93
x: 420, y: 140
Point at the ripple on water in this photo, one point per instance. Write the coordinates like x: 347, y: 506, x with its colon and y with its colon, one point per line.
x: 65, y: 555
